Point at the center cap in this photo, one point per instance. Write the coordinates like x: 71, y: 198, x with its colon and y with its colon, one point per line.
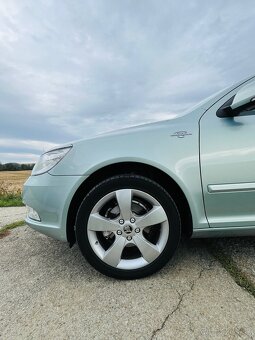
x: 128, y: 229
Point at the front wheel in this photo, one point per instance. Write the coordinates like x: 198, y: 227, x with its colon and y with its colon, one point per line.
x: 128, y: 227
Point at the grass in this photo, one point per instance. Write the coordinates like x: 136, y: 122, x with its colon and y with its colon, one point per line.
x: 10, y: 196
x: 11, y: 183
x: 11, y: 201
x: 229, y: 264
x: 5, y: 231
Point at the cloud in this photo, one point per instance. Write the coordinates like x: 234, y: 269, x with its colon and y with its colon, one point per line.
x: 39, y: 146
x: 74, y: 69
x: 12, y: 157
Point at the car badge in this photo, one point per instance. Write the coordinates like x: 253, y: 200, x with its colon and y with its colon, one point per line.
x: 181, y: 134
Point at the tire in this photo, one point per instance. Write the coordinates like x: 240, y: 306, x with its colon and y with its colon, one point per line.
x: 128, y: 227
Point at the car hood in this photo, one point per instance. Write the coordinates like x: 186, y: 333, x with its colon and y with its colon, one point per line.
x: 189, y: 115
x: 156, y: 144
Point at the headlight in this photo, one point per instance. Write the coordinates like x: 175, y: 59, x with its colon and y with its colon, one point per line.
x: 49, y: 159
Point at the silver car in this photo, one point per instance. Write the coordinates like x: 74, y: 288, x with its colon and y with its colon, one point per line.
x: 126, y: 197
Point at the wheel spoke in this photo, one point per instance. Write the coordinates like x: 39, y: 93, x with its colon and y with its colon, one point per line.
x: 113, y: 254
x: 155, y: 216
x: 124, y: 199
x: 98, y: 223
x: 148, y: 250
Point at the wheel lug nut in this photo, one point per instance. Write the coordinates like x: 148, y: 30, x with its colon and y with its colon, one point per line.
x: 121, y: 221
x: 132, y: 220
x: 129, y: 238
x: 119, y: 232
x: 137, y: 230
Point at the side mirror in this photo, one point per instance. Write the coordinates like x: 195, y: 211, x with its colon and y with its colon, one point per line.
x: 244, y: 100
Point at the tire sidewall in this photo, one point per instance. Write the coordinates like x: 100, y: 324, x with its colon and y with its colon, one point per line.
x: 128, y: 182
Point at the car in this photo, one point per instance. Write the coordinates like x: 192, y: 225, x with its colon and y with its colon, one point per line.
x: 127, y: 197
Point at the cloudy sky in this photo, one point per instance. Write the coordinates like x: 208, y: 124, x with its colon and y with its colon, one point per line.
x: 73, y: 69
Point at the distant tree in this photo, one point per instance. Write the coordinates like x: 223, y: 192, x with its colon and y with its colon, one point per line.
x: 16, y: 166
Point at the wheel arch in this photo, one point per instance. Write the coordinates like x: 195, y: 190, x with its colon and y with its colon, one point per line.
x: 146, y: 170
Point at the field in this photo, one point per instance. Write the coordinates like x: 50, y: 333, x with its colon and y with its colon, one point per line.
x: 11, y: 183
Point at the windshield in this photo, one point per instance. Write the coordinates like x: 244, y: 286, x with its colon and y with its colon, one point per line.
x: 205, y: 103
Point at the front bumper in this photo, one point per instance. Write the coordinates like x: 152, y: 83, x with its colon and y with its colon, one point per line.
x: 50, y: 196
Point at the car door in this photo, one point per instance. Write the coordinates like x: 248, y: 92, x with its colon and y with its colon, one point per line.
x: 227, y: 159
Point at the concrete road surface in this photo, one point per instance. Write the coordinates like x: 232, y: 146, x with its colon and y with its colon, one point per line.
x: 48, y: 291
x: 11, y: 214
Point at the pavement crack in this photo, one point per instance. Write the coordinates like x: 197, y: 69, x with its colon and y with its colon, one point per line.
x: 241, y: 332
x: 227, y: 262
x: 161, y: 327
x: 201, y: 272
x: 181, y: 298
